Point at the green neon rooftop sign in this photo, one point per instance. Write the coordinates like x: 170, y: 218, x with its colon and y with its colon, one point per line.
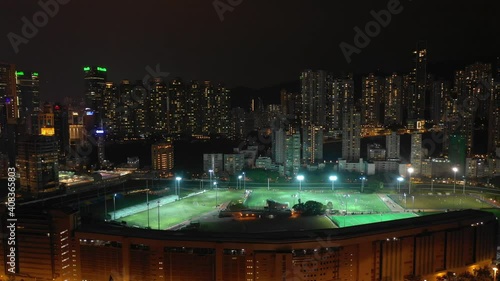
x: 35, y: 73
x: 103, y: 69
x: 20, y: 73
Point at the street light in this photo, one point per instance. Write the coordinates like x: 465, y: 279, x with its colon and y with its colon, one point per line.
x: 300, y: 178
x: 362, y: 184
x: 244, y: 181
x: 455, y: 170
x: 400, y: 179
x: 495, y: 273
x: 410, y: 171
x: 239, y: 181
x: 178, y: 189
x: 432, y: 185
x: 333, y: 179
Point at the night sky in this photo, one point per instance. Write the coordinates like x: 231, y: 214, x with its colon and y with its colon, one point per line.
x: 259, y: 44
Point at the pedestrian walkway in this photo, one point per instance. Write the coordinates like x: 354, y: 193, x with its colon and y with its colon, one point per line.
x: 391, y: 204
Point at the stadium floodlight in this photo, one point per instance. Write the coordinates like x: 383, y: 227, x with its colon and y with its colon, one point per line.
x: 114, y: 206
x: 455, y: 170
x: 178, y: 189
x: 210, y: 172
x: 215, y: 187
x: 300, y: 178
x: 400, y: 179
x: 362, y: 183
x: 333, y: 179
x: 158, y: 214
x: 410, y: 171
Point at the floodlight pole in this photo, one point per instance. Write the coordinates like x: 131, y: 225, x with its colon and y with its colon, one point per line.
x: 158, y: 214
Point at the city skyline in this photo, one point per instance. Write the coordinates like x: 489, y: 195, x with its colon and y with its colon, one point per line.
x: 228, y: 50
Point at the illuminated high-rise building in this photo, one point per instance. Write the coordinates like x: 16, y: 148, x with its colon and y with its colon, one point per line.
x: 393, y: 96
x: 177, y: 106
x: 494, y: 121
x: 278, y: 146
x: 94, y: 84
x: 314, y: 88
x: 238, y: 117
x: 474, y: 89
x: 124, y: 120
x: 292, y: 154
x: 9, y: 112
x: 312, y: 148
x: 417, y: 96
x: 193, y: 108
x: 158, y: 106
x: 162, y: 157
x: 351, y: 136
x: 222, y: 110
x: 37, y: 163
x: 215, y: 106
x: 45, y: 124
x: 28, y: 88
x: 110, y: 103
x: 440, y: 95
x: 313, y: 92
x: 373, y: 93
x: 416, y: 153
x: 138, y: 110
x: 61, y: 128
x: 392, y: 145
x: 339, y: 99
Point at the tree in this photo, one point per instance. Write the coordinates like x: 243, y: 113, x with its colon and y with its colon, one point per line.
x: 483, y: 274
x: 310, y: 208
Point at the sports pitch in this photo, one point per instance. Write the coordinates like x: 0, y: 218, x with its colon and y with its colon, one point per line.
x: 439, y: 202
x: 185, y: 209
x: 203, y: 205
x: 355, y: 202
x: 345, y: 221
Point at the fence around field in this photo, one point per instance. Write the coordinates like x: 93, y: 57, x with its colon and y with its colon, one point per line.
x: 125, y: 212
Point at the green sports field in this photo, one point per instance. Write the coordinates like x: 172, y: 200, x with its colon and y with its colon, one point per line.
x: 439, y: 202
x: 177, y: 212
x: 355, y: 202
x: 344, y: 221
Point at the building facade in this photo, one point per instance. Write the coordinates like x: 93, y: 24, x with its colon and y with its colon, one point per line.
x: 428, y: 246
